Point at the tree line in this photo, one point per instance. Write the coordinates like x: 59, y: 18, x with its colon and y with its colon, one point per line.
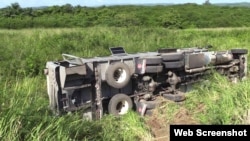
x: 175, y: 16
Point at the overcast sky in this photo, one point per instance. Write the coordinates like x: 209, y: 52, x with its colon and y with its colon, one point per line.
x: 37, y: 3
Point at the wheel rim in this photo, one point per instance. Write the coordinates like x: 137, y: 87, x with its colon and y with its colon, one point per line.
x: 122, y: 107
x: 120, y: 75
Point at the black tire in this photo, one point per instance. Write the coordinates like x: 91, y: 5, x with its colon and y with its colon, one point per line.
x: 172, y: 57
x: 156, y: 60
x: 118, y: 75
x: 154, y: 69
x: 175, y: 97
x: 173, y: 65
x: 239, y: 51
x: 120, y: 104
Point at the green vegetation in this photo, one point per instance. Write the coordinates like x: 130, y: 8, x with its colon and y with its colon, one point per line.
x: 220, y: 102
x: 23, y: 110
x: 25, y: 117
x: 175, y: 16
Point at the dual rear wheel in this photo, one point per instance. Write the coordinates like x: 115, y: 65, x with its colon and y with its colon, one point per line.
x: 120, y: 104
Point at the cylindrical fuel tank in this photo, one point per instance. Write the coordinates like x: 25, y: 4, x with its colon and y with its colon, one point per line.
x: 217, y: 58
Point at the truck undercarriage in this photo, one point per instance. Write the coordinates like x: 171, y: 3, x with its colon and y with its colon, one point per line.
x: 117, y: 83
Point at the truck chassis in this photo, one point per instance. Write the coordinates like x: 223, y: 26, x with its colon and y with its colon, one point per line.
x: 117, y: 83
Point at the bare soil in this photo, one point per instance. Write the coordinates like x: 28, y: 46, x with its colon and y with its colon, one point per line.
x: 159, y: 123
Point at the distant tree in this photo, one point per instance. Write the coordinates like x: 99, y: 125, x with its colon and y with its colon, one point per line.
x: 207, y: 2
x: 54, y: 9
x: 178, y: 16
x: 77, y: 9
x: 170, y: 19
x: 6, y: 12
x: 28, y: 12
x: 13, y: 10
x: 15, y: 6
x: 67, y: 8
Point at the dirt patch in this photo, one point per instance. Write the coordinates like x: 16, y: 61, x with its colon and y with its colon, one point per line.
x: 183, y: 117
x: 159, y: 129
x: 159, y: 123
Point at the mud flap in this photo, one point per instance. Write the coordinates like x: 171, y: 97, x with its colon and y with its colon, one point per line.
x: 144, y: 107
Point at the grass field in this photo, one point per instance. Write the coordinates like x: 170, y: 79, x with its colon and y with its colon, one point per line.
x: 24, y: 102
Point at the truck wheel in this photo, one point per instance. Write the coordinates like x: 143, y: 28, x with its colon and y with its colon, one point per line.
x: 118, y: 75
x: 120, y: 104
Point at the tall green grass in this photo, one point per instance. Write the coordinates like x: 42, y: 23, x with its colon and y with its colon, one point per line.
x: 220, y: 101
x: 23, y: 97
x: 32, y: 48
x: 25, y: 116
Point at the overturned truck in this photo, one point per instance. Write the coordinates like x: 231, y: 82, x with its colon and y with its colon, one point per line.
x: 117, y: 83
